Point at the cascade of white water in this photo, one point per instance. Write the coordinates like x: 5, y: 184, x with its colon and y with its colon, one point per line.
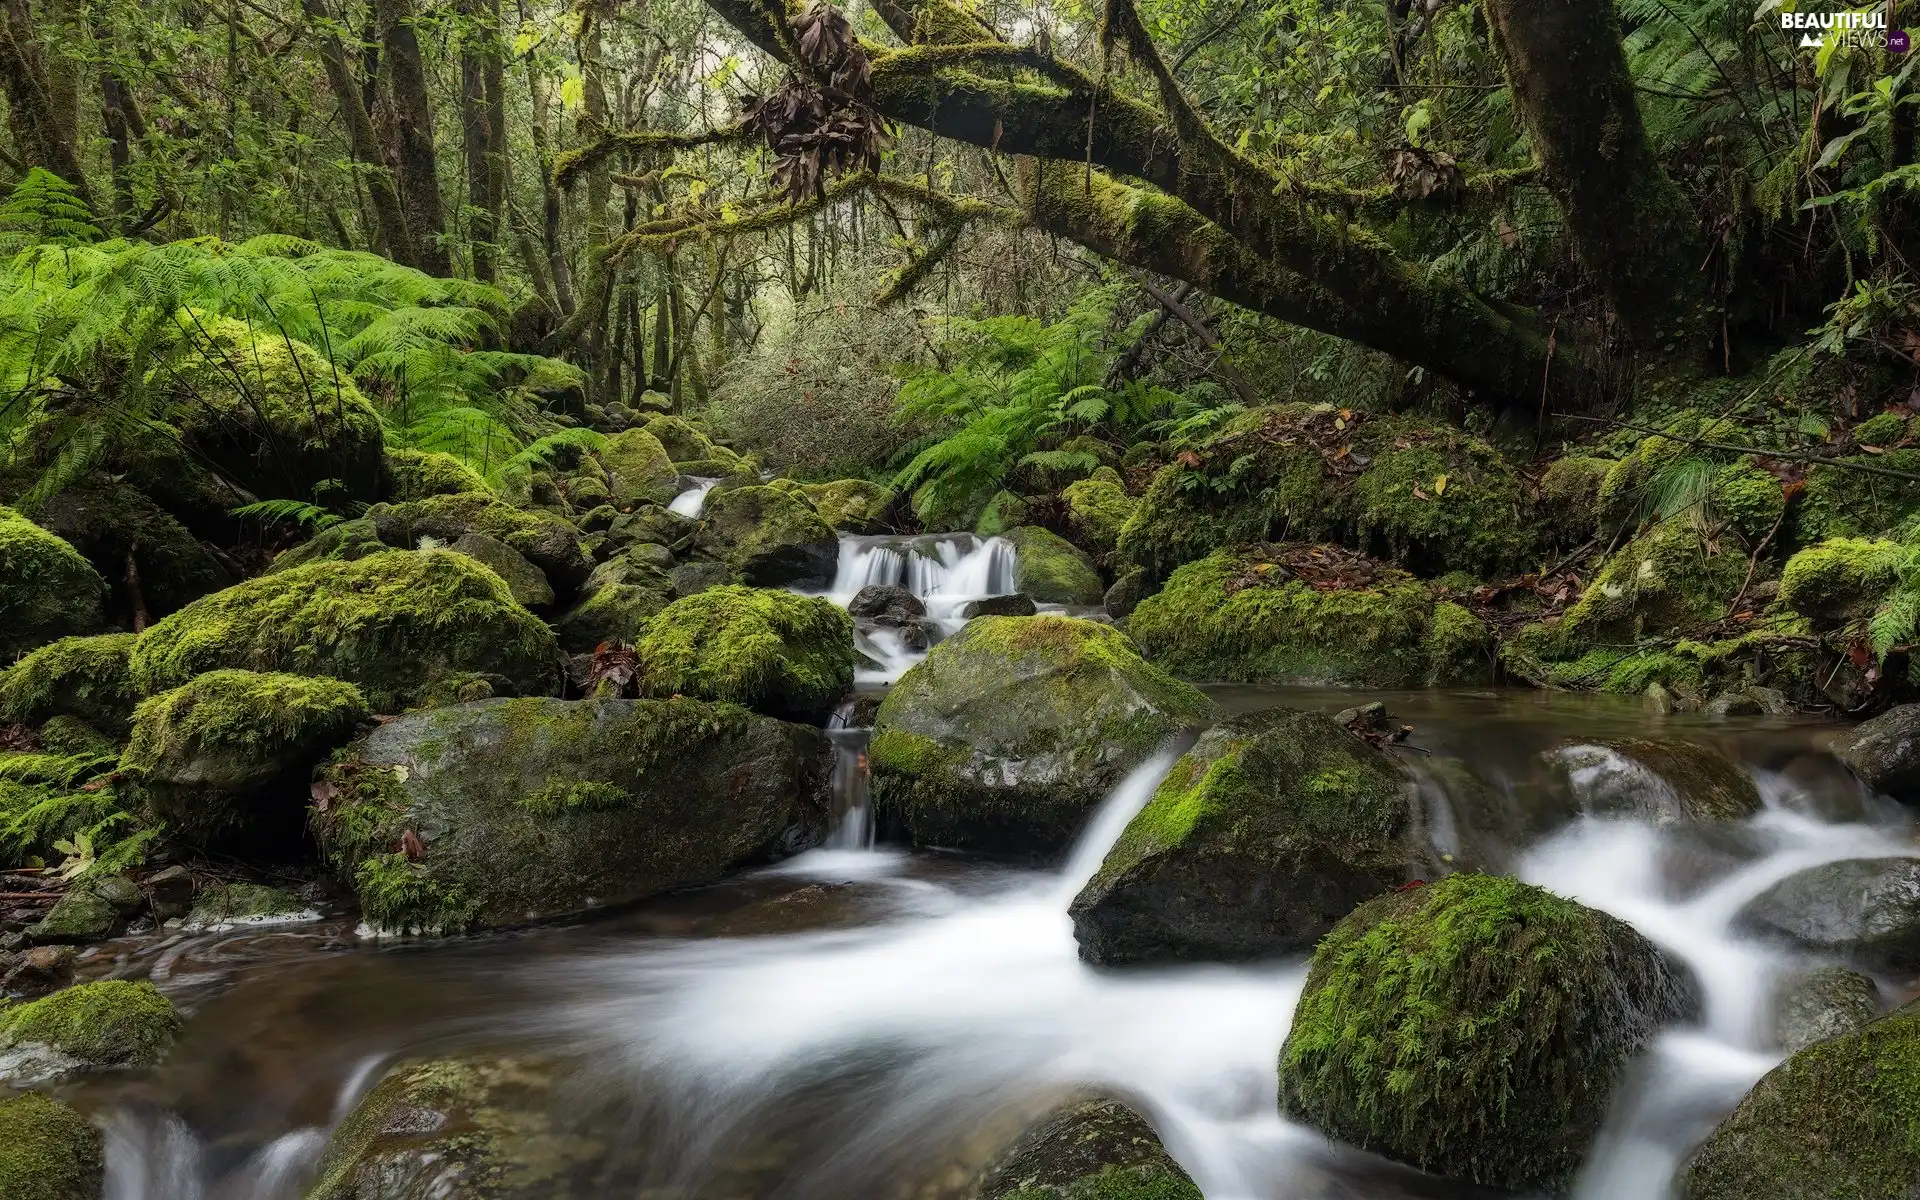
x: 693, y: 501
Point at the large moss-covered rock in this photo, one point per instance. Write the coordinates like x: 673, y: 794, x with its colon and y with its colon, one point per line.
x: 1272, y: 828
x: 851, y: 505
x: 504, y: 811
x: 417, y: 474
x: 233, y: 750
x: 1475, y: 1028
x: 1012, y: 730
x: 1248, y: 616
x: 638, y: 469
x: 1883, y: 752
x: 47, y: 590
x: 1086, y: 1149
x: 768, y: 537
x: 84, y: 677
x: 1866, y: 910
x: 682, y: 439
x: 1051, y: 569
x: 1098, y: 507
x: 272, y: 412
x: 1838, y: 1119
x: 1662, y: 581
x: 1841, y: 579
x: 1570, y: 497
x: 391, y: 624
x: 1663, y: 780
x: 549, y: 542
x: 48, y: 1151
x: 110, y: 522
x: 92, y: 1026
x: 95, y: 907
x: 474, y: 1128
x: 774, y: 651
x: 620, y: 598
x: 525, y: 582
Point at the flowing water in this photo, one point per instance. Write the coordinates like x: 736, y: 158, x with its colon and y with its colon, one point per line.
x: 859, y: 1023
x: 693, y: 501
x: 943, y: 571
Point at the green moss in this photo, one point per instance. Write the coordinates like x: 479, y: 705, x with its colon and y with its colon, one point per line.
x: 1838, y: 502
x: 549, y: 542
x: 1221, y: 618
x: 768, y: 537
x: 681, y: 438
x: 1747, y: 498
x: 1087, y: 1150
x: 563, y: 796
x: 1841, y: 579
x: 401, y: 896
x: 638, y: 468
x: 1474, y: 1027
x: 1665, y: 580
x: 48, y: 1151
x: 389, y: 623
x: 243, y: 903
x: 1447, y: 503
x: 73, y: 738
x: 272, y: 412
x: 1630, y: 481
x: 85, y: 677
x: 851, y: 505
x: 621, y: 596
x: 1570, y: 497
x: 1051, y: 569
x: 112, y: 1023
x: 1881, y: 429
x: 910, y: 755
x: 1002, y: 511
x: 47, y: 590
x: 1099, y: 509
x: 771, y: 650
x: 110, y: 522
x: 417, y: 474
x: 1839, y: 1120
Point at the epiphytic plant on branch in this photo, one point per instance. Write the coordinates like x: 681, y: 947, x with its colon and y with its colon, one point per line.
x: 824, y: 125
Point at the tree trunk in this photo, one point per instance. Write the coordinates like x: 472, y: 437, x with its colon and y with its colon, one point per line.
x: 413, y: 149
x: 389, y: 218
x: 1630, y: 225
x: 33, y: 111
x: 483, y: 125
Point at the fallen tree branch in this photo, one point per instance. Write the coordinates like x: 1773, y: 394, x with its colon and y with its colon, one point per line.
x: 1803, y: 456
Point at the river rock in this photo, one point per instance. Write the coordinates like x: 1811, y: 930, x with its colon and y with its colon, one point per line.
x: 1017, y: 605
x: 1086, y: 1149
x: 82, y: 677
x: 235, y: 905
x: 1835, y: 1120
x: 652, y: 525
x: 235, y: 750
x: 1475, y: 1028
x: 504, y: 811
x: 113, y: 1023
x: 1812, y: 1006
x: 47, y: 590
x: 1866, y: 910
x: 485, y: 1128
x: 768, y: 537
x: 1127, y: 592
x: 851, y: 505
x: 1661, y: 780
x: 1010, y: 732
x: 1272, y: 828
x: 886, y: 604
x: 524, y: 580
x: 1053, y: 570
x: 620, y: 597
x: 48, y: 1151
x: 1885, y: 752
x: 92, y: 909
x: 639, y: 469
x: 774, y: 651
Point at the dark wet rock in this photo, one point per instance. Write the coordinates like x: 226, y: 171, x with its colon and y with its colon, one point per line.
x: 651, y: 525
x: 1866, y: 910
x: 1885, y: 752
x: 1755, y: 701
x: 37, y: 971
x: 1812, y: 1006
x: 92, y: 909
x: 506, y: 811
x: 619, y: 598
x: 1835, y: 1120
x: 474, y: 1128
x: 1127, y: 592
x: 169, y: 892
x: 1010, y: 732
x: 692, y: 578
x: 47, y: 590
x: 110, y: 521
x: 1086, y: 1149
x: 1662, y: 780
x: 1526, y: 1010
x: 810, y: 907
x: 886, y: 604
x: 1272, y: 828
x: 525, y: 581
x: 768, y: 537
x: 48, y: 1151
x: 1017, y: 605
x: 115, y: 1023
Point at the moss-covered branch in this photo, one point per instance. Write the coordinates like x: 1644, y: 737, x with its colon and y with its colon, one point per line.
x: 569, y: 166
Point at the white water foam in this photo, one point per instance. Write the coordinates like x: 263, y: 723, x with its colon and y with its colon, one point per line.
x: 693, y: 501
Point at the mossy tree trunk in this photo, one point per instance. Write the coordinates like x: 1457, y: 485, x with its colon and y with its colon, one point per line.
x: 34, y: 109
x: 414, y: 156
x: 389, y: 218
x: 483, y: 119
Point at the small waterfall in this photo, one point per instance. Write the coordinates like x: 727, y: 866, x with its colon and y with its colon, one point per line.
x: 693, y: 501
x: 852, y: 827
x: 943, y: 570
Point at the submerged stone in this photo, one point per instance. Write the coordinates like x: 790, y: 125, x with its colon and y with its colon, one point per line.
x: 1476, y: 1028
x: 1262, y: 837
x: 48, y: 1151
x: 1010, y: 732
x: 1086, y: 1149
x: 1660, y: 780
x: 1814, y: 1005
x: 1866, y: 910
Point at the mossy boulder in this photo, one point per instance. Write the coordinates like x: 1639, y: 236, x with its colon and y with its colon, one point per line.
x: 1841, y: 579
x: 114, y: 1023
x: 681, y: 438
x: 478, y: 1128
x: 1837, y: 1119
x: 48, y: 1151
x: 1884, y: 752
x: 1051, y: 569
x: 390, y: 624
x: 1011, y: 731
x: 621, y: 596
x: 1272, y: 828
x: 47, y: 589
x: 774, y: 651
x: 1840, y: 502
x: 1247, y: 616
x: 768, y: 537
x: 272, y: 412
x: 232, y: 905
x: 417, y: 474
x: 1086, y: 1149
x: 83, y: 677
x: 1662, y: 780
x: 851, y: 505
x: 1099, y: 507
x: 1570, y: 497
x: 525, y: 582
x: 1863, y: 910
x: 1002, y: 511
x: 92, y: 909
x: 638, y: 469
x: 1665, y: 580
x: 234, y: 750
x: 110, y: 522
x: 504, y: 811
x: 549, y: 542
x: 1825, y: 1002
x: 1475, y: 1028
